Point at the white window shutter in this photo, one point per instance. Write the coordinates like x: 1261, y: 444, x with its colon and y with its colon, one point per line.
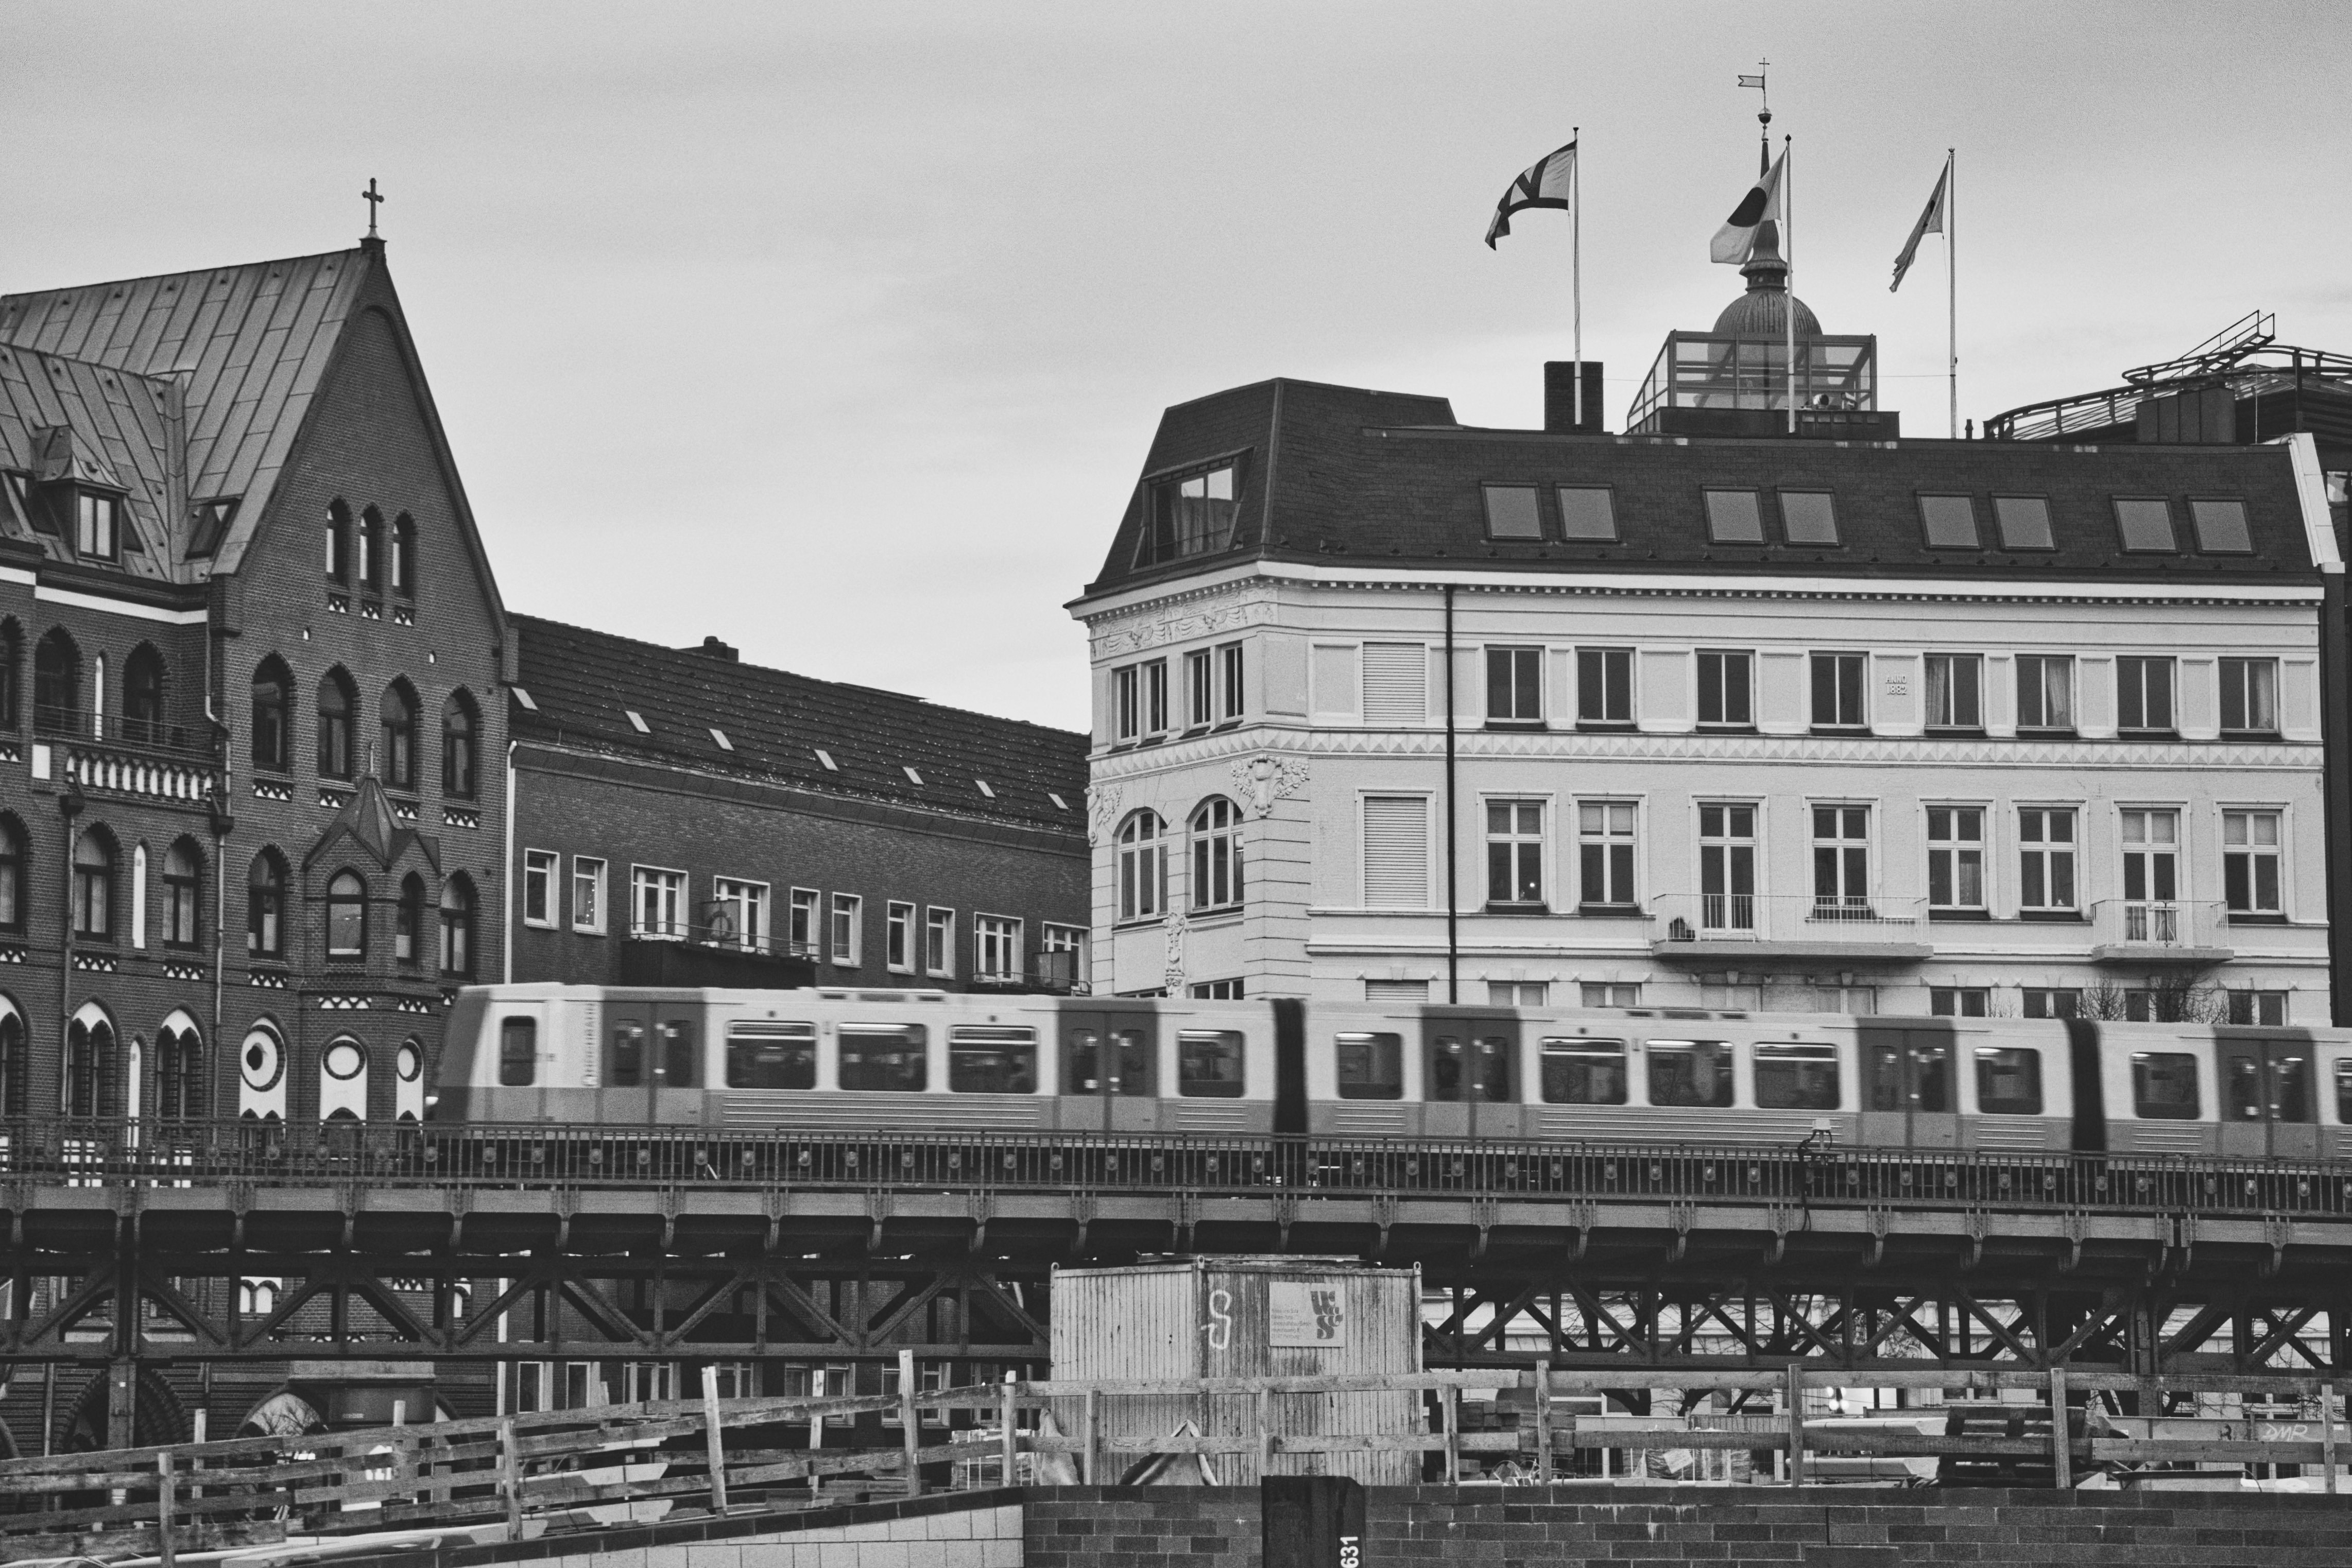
x: 1396, y: 851
x: 1396, y: 682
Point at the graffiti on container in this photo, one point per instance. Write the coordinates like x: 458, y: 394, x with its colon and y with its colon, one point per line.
x: 1220, y: 1326
x: 1305, y: 1316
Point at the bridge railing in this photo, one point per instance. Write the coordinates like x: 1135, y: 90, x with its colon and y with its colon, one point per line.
x: 67, y: 1152
x: 608, y: 1464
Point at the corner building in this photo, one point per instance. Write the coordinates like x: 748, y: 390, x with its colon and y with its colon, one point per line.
x: 1712, y: 713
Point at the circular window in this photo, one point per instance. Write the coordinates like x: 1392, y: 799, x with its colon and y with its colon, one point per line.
x: 344, y: 1059
x: 411, y: 1064
x: 262, y: 1061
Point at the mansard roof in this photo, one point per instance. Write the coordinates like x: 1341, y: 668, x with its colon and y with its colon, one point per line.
x: 1343, y: 476
x: 580, y: 688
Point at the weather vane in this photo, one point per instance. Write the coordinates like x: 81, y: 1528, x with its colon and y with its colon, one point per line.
x: 373, y: 200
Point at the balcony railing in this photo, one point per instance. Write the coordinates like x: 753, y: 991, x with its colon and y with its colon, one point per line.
x: 2160, y: 931
x: 1701, y: 924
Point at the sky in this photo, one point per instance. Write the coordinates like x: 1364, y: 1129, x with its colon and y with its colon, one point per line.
x: 840, y: 331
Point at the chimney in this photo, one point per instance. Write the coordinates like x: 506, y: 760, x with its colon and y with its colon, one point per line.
x: 1560, y: 397
x: 713, y: 648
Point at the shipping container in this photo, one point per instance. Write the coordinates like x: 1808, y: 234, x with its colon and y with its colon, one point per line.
x: 1242, y: 1317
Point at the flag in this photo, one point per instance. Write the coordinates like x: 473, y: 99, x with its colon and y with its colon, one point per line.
x: 1931, y: 221
x: 1751, y: 81
x: 1547, y: 185
x: 1762, y: 204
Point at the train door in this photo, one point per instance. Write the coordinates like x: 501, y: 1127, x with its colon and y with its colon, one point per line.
x: 1468, y: 1078
x: 1110, y: 1071
x: 1910, y: 1095
x: 653, y: 1062
x: 2269, y: 1103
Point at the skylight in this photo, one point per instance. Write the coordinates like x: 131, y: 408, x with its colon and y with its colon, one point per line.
x: 984, y: 788
x: 637, y: 721
x: 2024, y: 521
x: 1059, y: 804
x: 1732, y: 517
x: 1809, y: 516
x: 2221, y: 526
x: 2146, y: 524
x: 1586, y: 512
x: 719, y: 735
x: 912, y: 777
x: 826, y: 758
x: 523, y: 697
x: 1511, y: 513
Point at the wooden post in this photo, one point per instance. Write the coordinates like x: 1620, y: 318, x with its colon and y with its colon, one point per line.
x: 1452, y: 1406
x: 2062, y: 1448
x: 1011, y: 1434
x: 163, y: 1509
x: 714, y: 1440
x: 511, y: 1478
x: 1543, y: 1421
x: 1796, y: 1425
x: 1093, y: 1437
x: 2327, y: 1432
x: 1264, y: 1433
x: 911, y: 1429
x: 196, y: 1460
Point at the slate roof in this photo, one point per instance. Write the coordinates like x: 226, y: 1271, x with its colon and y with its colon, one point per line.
x: 188, y: 385
x: 1345, y: 476
x: 583, y: 685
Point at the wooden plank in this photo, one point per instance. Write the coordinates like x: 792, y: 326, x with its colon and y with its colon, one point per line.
x: 510, y: 1480
x: 1093, y: 1437
x: 910, y: 1431
x: 1450, y: 1399
x: 163, y: 1487
x: 1543, y: 1421
x: 1796, y: 1397
x: 1264, y: 1433
x: 2060, y: 1453
x: 2327, y: 1433
x: 714, y: 1441
x: 1010, y: 1437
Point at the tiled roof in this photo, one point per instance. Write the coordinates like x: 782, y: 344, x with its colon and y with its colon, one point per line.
x: 245, y: 347
x: 1343, y: 476
x: 583, y: 685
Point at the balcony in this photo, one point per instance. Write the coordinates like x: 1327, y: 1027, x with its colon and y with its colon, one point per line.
x: 2159, y: 932
x: 1744, y: 930
x: 683, y: 953
x: 138, y: 759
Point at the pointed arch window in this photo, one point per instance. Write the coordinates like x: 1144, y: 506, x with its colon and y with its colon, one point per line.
x: 1216, y: 830
x: 11, y: 658
x: 265, y: 907
x: 15, y: 874
x: 458, y: 926
x: 408, y: 921
x: 335, y: 706
x: 459, y: 729
x: 273, y: 716
x: 1142, y: 867
x: 398, y: 762
x: 179, y: 1073
x: 183, y: 882
x: 339, y: 542
x: 368, y: 562
x: 143, y: 695
x: 93, y: 887
x: 57, y: 683
x: 14, y: 1067
x: 346, y: 915
x: 400, y: 558
x: 88, y: 1086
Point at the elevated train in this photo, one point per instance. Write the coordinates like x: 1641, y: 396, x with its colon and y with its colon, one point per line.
x: 856, y: 1063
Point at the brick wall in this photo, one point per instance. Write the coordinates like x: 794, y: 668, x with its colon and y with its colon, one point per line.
x: 1094, y: 1527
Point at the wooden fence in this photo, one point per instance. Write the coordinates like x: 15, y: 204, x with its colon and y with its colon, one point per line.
x: 611, y: 1461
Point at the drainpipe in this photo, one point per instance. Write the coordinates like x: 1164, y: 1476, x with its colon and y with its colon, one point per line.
x: 2335, y: 772
x: 1453, y: 911
x: 506, y: 897
x: 69, y: 804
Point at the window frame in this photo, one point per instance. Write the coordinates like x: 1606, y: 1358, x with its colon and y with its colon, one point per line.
x: 1953, y: 665
x: 1956, y: 853
x: 899, y: 937
x: 1140, y: 858
x: 1620, y: 856
x: 90, y: 503
x: 1721, y: 688
x: 1160, y: 542
x: 2041, y: 664
x: 1213, y: 835
x: 2142, y: 664
x: 357, y: 902
x: 1928, y: 523
x: 642, y: 878
x: 1516, y: 845
x: 1231, y: 666
x: 1008, y: 931
x: 938, y: 942
x: 2171, y: 545
x: 1520, y: 668
x: 1837, y: 658
x: 1828, y: 498
x: 540, y: 868
x: 2246, y: 668
x: 804, y: 913
x: 1489, y: 489
x: 1845, y: 903
x: 1718, y: 519
x: 2254, y: 858
x: 2197, y: 525
x: 1606, y: 663
x: 595, y: 925
x: 183, y: 907
x: 2043, y: 851
x: 1608, y: 494
x: 2000, y: 526
x: 845, y: 915
x: 1200, y: 706
x: 752, y: 901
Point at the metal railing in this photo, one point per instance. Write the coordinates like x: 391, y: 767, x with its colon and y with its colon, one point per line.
x: 65, y: 1152
x: 2159, y: 922
x: 1759, y: 916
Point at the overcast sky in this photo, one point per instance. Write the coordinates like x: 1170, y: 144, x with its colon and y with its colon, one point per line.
x: 840, y: 331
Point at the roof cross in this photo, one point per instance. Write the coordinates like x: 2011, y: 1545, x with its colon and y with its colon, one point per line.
x: 374, y: 199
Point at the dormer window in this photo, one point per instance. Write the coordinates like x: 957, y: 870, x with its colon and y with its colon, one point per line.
x: 213, y: 518
x: 1191, y: 514
x: 98, y: 525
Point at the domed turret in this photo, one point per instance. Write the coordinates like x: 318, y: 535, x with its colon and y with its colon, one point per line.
x: 1763, y: 311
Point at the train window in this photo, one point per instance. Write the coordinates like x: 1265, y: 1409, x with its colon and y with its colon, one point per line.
x: 1582, y: 1071
x: 628, y: 1068
x: 2246, y: 1089
x: 1372, y: 1066
x: 2290, y: 1088
x: 678, y: 1064
x: 1209, y: 1063
x: 884, y: 1056
x: 1130, y: 1069
x: 1690, y: 1072
x: 1797, y: 1077
x: 771, y: 1055
x: 2344, y: 1090
x: 518, y: 1052
x: 2164, y: 1085
x: 1476, y: 1068
x: 2008, y: 1083
x: 988, y: 1061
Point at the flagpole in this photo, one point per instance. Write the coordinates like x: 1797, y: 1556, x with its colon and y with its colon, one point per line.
x: 1789, y: 255
x: 1951, y: 287
x: 1575, y: 262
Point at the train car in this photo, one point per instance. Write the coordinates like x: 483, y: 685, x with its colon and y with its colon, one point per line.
x: 824, y: 1059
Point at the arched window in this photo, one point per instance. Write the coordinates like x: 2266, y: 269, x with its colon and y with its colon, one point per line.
x: 369, y: 562
x: 273, y: 716
x: 15, y: 874
x: 93, y: 887
x: 1216, y: 828
x: 408, y: 921
x: 335, y: 706
x: 14, y: 1068
x: 408, y: 1082
x: 265, y: 907
x: 183, y: 881
x: 398, y: 763
x: 458, y: 730
x: 346, y: 915
x: 179, y: 1071
x: 457, y: 925
x: 11, y: 657
x: 143, y: 694
x: 339, y: 542
x: 402, y: 560
x: 88, y: 1087
x: 1142, y: 867
x: 57, y: 683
